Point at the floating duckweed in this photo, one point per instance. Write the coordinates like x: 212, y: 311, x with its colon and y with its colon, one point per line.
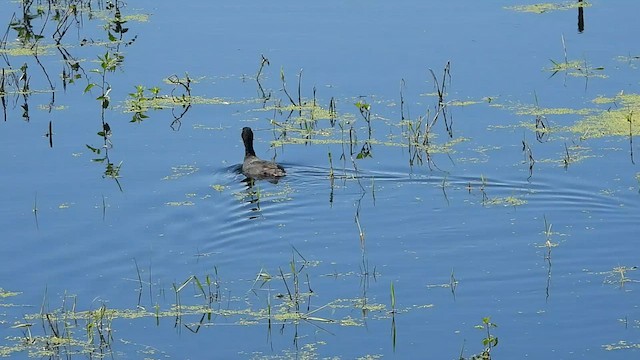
x: 15, y: 49
x: 621, y: 345
x: 629, y: 60
x: 5, y: 293
x: 546, y: 7
x: 349, y: 321
x: 136, y: 17
x: 179, y: 203
x: 462, y: 103
x: 622, y: 121
x: 169, y: 102
x: 542, y: 111
x: 506, y: 201
x: 47, y: 108
x: 180, y: 171
x: 107, y: 16
x: 219, y: 188
x: 207, y: 127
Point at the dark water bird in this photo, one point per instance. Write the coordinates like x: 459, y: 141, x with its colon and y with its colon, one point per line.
x: 254, y: 167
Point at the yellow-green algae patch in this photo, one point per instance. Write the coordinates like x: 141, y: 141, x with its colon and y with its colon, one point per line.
x: 180, y: 171
x: 218, y: 187
x: 283, y: 194
x: 621, y: 121
x: 621, y: 345
x: 169, y: 102
x: 108, y: 16
x: 305, y: 352
x: 15, y: 49
x: 505, y: 201
x: 576, y: 68
x: 542, y: 111
x: 541, y: 8
x: 179, y: 203
x: 432, y: 147
x: 136, y: 17
x: 313, y: 111
x: 629, y: 59
x: 5, y: 293
x: 462, y: 103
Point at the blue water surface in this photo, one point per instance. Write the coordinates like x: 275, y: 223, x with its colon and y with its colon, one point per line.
x: 392, y: 257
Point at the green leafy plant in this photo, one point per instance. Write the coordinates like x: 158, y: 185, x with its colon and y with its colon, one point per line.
x: 490, y: 341
x: 108, y: 64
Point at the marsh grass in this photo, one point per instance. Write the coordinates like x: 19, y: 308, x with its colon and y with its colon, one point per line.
x: 263, y: 95
x: 575, y: 68
x: 200, y: 301
x: 528, y: 157
x: 295, y: 307
x: 541, y: 128
x: 66, y: 331
x: 302, y: 122
x: 393, y: 317
x: 566, y: 160
x: 35, y: 211
x: 3, y: 94
x: 420, y: 132
x: 549, y: 245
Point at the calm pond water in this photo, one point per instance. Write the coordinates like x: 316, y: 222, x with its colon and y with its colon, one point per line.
x: 458, y: 173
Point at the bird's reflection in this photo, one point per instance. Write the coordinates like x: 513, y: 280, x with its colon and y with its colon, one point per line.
x: 253, y: 193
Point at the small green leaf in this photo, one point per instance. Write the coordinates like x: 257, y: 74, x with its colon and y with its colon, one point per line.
x: 89, y: 87
x: 94, y: 150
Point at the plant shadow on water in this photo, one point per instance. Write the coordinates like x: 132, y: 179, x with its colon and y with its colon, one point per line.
x: 380, y: 210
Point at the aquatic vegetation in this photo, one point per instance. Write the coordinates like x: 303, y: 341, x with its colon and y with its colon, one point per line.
x: 611, y: 122
x: 218, y: 187
x: 180, y: 203
x: 489, y: 342
x: 179, y: 171
x: 362, y: 139
x: 140, y: 103
x: 631, y: 60
x: 506, y: 201
x: 535, y: 110
x: 452, y: 284
x: 6, y: 293
x: 542, y: 8
x: 621, y: 345
x: 577, y: 68
x: 618, y: 276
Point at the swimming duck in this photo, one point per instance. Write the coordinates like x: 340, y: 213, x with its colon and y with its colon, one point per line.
x: 254, y: 167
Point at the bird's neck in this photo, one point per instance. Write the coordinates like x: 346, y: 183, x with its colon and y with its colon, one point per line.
x: 248, y: 151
